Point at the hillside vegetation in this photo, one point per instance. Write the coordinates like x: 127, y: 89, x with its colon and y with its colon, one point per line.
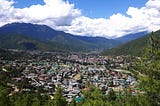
x: 135, y: 47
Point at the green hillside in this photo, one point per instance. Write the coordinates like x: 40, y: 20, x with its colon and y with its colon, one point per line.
x: 135, y: 47
x: 12, y: 41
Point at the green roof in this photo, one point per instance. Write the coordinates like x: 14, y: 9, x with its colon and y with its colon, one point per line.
x: 79, y: 99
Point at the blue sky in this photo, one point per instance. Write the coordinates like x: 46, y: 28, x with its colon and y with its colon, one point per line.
x: 105, y: 18
x: 27, y: 3
x: 93, y: 9
x: 105, y: 8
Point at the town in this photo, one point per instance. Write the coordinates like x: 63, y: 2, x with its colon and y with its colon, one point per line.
x: 73, y: 72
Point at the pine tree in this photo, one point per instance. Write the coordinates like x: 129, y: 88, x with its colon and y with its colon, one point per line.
x: 59, y: 100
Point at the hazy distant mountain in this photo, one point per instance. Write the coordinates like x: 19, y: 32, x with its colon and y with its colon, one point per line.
x: 135, y: 47
x: 41, y: 37
x: 130, y: 37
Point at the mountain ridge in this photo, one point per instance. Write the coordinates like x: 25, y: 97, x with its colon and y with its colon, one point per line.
x: 130, y: 37
x: 29, y: 36
x: 39, y: 35
x: 135, y: 47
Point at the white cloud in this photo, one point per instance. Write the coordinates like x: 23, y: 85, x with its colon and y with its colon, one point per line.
x: 146, y: 18
x: 6, y: 11
x: 64, y: 16
x: 153, y: 4
x: 53, y: 13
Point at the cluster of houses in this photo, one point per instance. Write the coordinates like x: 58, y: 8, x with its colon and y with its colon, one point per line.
x: 71, y: 74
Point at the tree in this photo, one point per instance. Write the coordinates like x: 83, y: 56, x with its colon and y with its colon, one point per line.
x: 4, y: 99
x: 36, y: 102
x: 150, y: 65
x: 94, y: 97
x: 59, y: 100
x: 111, y: 95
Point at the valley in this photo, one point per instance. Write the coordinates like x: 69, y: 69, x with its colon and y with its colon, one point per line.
x: 73, y: 70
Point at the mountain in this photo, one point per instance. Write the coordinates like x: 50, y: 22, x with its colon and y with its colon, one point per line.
x: 101, y: 42
x: 130, y: 37
x: 19, y: 41
x: 135, y: 47
x: 41, y: 32
x: 41, y: 37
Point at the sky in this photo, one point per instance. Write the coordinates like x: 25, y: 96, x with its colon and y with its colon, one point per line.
x: 106, y: 18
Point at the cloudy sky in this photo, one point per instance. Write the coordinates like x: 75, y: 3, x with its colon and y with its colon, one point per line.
x: 107, y: 18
